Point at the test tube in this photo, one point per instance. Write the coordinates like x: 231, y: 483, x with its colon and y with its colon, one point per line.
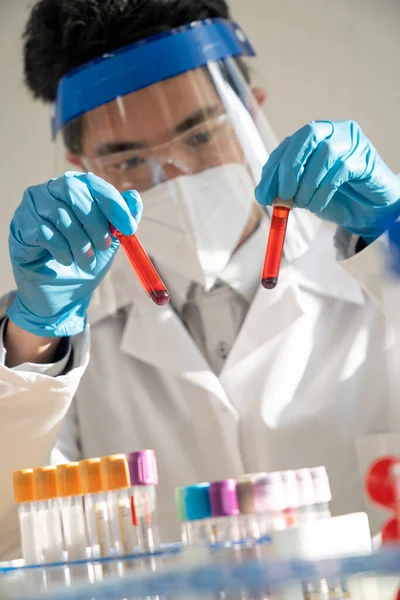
x: 322, y: 492
x: 144, y: 479
x: 180, y: 512
x: 249, y: 521
x: 143, y: 267
x: 270, y: 501
x: 276, y: 240
x: 96, y: 509
x: 225, y: 510
x: 307, y: 510
x: 292, y: 496
x: 199, y: 525
x: 322, y: 498
x: 69, y: 490
x: 49, y: 519
x: 115, y: 481
x: 28, y: 519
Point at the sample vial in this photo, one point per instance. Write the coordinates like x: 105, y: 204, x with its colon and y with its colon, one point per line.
x: 322, y: 492
x: 249, y: 521
x: 69, y: 491
x: 270, y: 502
x: 144, y: 479
x: 292, y: 495
x: 116, y: 484
x: 49, y: 520
x: 225, y: 510
x: 307, y: 510
x: 180, y: 512
x: 27, y: 514
x: 96, y: 509
x: 199, y: 525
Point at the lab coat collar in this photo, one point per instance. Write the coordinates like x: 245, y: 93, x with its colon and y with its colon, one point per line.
x: 309, y: 248
x: 242, y: 273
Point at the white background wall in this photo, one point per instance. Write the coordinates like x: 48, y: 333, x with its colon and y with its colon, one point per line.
x: 333, y: 59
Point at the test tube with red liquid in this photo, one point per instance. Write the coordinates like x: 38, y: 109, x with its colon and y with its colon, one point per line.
x: 143, y: 267
x: 276, y: 240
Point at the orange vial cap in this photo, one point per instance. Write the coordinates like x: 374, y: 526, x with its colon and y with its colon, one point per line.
x: 91, y: 476
x: 23, y: 486
x: 114, y: 472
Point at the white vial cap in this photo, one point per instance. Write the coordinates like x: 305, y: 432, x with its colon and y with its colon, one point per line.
x: 269, y: 492
x: 306, y: 487
x: 291, y: 489
x: 322, y: 489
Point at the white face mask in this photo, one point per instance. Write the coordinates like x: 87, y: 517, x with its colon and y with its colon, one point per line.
x: 192, y: 224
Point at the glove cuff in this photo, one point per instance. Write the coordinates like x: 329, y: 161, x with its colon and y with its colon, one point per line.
x: 58, y: 326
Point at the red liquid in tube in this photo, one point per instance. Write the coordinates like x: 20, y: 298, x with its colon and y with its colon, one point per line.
x: 276, y: 240
x: 143, y: 267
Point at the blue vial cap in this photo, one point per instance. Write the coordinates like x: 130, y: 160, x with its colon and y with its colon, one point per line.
x: 197, y: 501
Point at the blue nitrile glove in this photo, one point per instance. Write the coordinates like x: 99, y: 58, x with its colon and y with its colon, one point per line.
x: 333, y: 170
x: 394, y: 247
x: 61, y: 249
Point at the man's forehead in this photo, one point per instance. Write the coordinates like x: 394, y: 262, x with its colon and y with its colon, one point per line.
x: 150, y: 112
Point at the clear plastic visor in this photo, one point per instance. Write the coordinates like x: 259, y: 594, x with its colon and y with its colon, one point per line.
x: 198, y: 120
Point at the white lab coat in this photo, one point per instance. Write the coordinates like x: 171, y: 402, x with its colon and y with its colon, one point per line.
x: 306, y: 383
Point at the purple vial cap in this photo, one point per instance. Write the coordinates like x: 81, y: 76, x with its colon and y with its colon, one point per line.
x: 223, y: 498
x: 143, y: 467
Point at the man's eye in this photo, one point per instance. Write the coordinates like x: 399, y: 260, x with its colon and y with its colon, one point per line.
x: 131, y: 163
x: 199, y: 139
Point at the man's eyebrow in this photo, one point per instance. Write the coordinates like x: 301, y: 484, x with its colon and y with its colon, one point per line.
x: 115, y: 147
x: 197, y: 117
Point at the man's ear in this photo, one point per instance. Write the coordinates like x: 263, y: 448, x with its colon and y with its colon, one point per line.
x: 260, y: 94
x: 74, y: 159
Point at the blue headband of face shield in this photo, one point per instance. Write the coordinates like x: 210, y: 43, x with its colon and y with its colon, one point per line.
x: 144, y: 63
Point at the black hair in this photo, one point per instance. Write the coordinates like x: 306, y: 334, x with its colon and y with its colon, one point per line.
x: 63, y: 34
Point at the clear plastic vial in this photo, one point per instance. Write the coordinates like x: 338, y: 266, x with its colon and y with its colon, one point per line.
x: 270, y: 502
x: 180, y: 512
x: 197, y: 507
x: 144, y: 479
x: 49, y: 520
x: 307, y: 511
x: 249, y: 520
x: 76, y: 544
x: 96, y: 509
x: 28, y: 519
x: 116, y: 484
x: 322, y: 492
x: 225, y: 510
x: 292, y: 495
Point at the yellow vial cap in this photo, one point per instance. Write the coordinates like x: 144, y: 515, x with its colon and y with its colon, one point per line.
x: 69, y: 480
x: 23, y: 486
x: 45, y: 483
x: 90, y: 476
x: 114, y: 472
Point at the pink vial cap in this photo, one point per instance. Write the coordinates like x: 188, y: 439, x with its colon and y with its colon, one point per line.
x: 142, y: 467
x: 306, y: 487
x: 291, y: 489
x: 322, y: 489
x: 269, y: 492
x: 223, y: 498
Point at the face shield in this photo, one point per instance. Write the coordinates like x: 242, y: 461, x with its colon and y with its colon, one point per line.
x: 174, y: 118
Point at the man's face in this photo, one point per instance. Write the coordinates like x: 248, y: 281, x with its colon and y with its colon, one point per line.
x: 175, y: 127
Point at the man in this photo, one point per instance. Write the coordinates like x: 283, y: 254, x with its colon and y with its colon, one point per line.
x: 228, y: 378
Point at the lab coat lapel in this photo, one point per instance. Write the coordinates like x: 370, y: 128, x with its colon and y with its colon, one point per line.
x: 319, y: 270
x: 270, y: 314
x: 157, y: 336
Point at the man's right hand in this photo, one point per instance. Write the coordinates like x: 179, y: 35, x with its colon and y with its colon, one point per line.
x: 61, y: 249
